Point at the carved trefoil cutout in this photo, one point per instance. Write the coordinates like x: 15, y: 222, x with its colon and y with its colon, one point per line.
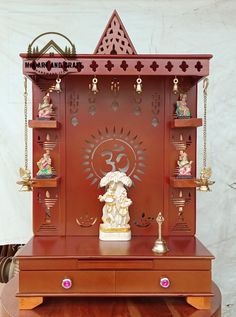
x: 115, y: 39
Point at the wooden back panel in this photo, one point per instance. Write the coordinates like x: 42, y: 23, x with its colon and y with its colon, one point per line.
x: 113, y: 133
x: 107, y: 132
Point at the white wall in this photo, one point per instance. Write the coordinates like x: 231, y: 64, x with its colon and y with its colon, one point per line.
x: 161, y: 26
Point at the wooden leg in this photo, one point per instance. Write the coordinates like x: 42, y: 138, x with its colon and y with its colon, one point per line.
x: 29, y: 302
x: 199, y: 302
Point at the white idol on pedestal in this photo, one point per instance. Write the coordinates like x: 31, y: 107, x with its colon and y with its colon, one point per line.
x: 115, y: 212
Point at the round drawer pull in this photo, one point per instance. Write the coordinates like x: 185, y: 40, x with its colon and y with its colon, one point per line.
x: 164, y: 282
x: 66, y: 283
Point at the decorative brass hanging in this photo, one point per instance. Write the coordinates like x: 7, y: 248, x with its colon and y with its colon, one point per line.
x: 204, y: 181
x: 57, y: 86
x: 175, y: 85
x: 93, y: 87
x: 138, y: 87
x: 25, y: 174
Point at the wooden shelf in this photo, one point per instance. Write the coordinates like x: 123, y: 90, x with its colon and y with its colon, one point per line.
x: 183, y: 182
x: 40, y: 182
x: 43, y: 124
x: 186, y: 123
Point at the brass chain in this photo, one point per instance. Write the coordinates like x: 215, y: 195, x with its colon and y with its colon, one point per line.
x: 26, y: 122
x: 205, y: 86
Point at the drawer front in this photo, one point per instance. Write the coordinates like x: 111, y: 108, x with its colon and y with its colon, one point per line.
x: 51, y: 282
x: 181, y: 282
x: 115, y: 282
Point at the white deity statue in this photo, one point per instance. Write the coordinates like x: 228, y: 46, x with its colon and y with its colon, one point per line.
x: 115, y: 212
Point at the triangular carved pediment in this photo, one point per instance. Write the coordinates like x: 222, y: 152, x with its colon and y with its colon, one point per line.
x: 115, y: 39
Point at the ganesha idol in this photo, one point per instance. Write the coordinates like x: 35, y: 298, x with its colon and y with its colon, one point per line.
x: 115, y: 212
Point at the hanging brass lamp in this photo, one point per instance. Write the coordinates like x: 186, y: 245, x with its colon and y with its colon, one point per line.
x: 204, y: 182
x: 25, y: 174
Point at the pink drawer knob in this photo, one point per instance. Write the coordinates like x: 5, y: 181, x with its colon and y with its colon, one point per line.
x: 164, y: 282
x: 66, y: 283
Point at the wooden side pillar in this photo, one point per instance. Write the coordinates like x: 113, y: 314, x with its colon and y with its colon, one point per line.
x: 29, y: 302
x: 199, y: 302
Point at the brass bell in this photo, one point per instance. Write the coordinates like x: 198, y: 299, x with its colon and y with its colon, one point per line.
x: 175, y: 86
x: 57, y: 87
x: 138, y: 86
x: 93, y: 87
x: 160, y: 246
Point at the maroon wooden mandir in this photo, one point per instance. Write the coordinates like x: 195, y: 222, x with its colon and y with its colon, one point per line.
x: 94, y: 134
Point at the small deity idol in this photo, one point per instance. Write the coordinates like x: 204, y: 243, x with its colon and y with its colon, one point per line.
x: 184, y: 165
x: 115, y: 215
x: 44, y: 165
x: 182, y: 110
x: 45, y: 109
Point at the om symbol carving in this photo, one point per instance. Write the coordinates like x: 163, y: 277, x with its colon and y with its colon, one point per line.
x: 116, y: 161
x: 113, y: 155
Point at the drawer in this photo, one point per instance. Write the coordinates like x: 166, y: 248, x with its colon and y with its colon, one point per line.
x: 42, y: 282
x: 139, y: 282
x: 181, y: 282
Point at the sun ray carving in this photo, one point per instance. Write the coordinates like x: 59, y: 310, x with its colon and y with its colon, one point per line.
x: 112, y: 149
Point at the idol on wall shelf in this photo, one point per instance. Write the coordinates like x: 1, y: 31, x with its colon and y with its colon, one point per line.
x: 42, y: 183
x: 186, y: 123
x: 183, y: 183
x: 43, y: 124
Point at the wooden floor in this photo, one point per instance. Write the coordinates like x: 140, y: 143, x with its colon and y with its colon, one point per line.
x: 106, y: 307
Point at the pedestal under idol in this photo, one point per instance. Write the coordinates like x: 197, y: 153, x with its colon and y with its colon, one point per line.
x: 115, y: 212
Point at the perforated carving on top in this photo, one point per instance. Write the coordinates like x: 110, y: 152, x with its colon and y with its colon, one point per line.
x: 115, y: 39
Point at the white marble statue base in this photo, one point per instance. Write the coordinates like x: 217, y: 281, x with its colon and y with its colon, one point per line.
x: 115, y: 236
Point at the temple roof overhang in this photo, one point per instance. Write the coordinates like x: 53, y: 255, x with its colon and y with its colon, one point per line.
x: 138, y: 64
